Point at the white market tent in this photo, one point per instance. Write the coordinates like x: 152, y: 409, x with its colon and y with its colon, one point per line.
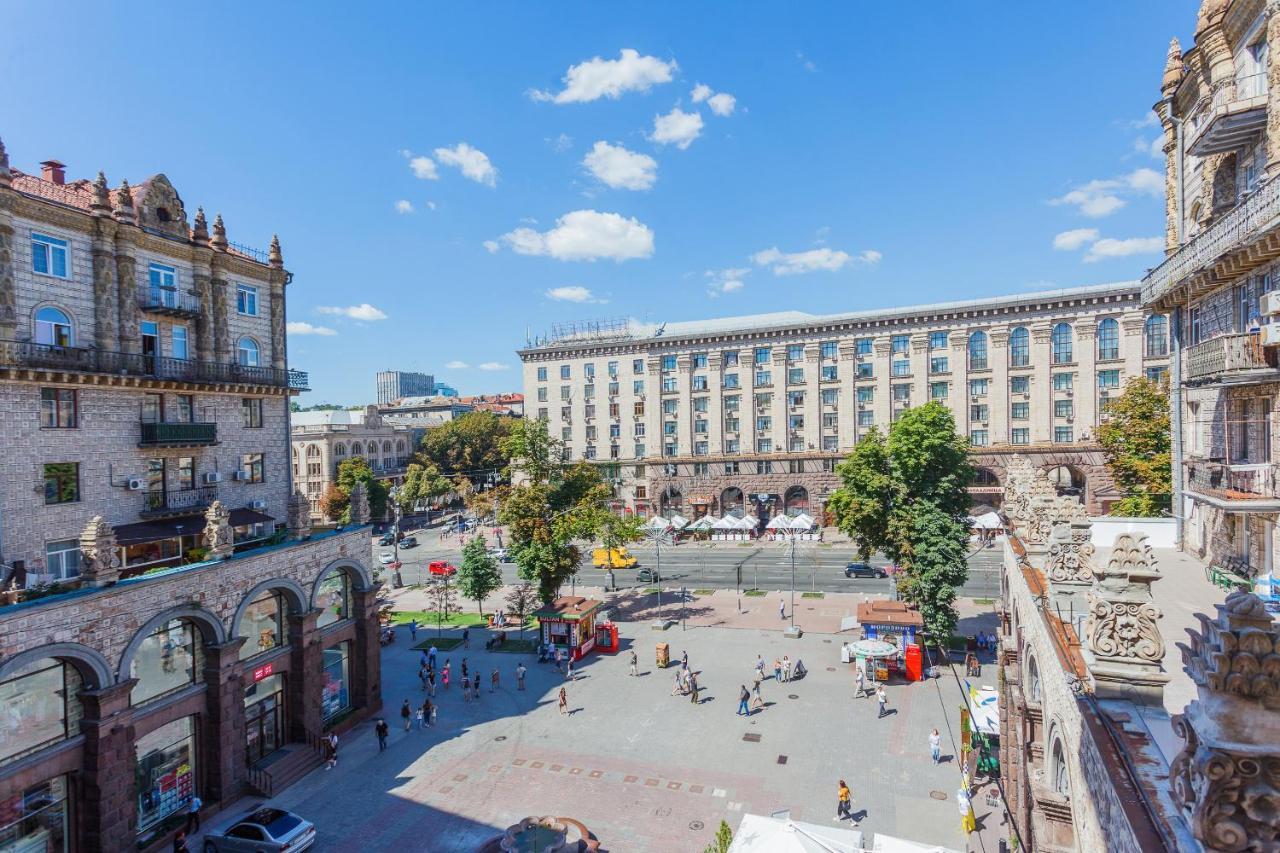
x: 803, y: 521
x: 986, y: 521
x: 707, y: 522
x: 726, y: 523
x: 760, y: 834
x: 747, y: 522
x: 889, y: 844
x: 779, y: 522
x: 679, y: 522
x: 657, y: 523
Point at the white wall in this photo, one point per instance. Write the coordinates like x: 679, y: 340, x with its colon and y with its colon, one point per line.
x: 1160, y: 531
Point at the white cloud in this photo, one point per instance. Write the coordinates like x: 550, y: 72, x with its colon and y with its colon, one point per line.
x: 1149, y: 119
x: 300, y: 328
x: 585, y: 235
x: 619, y: 168
x: 677, y: 127
x: 457, y: 365
x: 492, y: 246
x: 700, y: 93
x: 1112, y: 248
x: 431, y: 205
x: 424, y: 168
x: 806, y: 62
x: 1069, y: 241
x: 492, y: 365
x: 1099, y: 198
x: 363, y: 311
x: 573, y: 293
x: 1151, y: 147
x: 406, y: 206
x: 609, y: 78
x: 814, y: 260
x: 720, y: 282
x: 473, y: 162
x: 563, y: 142
x: 722, y: 104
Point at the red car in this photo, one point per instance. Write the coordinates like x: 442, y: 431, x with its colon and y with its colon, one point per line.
x: 442, y: 567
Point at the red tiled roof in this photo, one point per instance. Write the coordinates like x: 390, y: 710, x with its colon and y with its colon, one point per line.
x: 77, y: 194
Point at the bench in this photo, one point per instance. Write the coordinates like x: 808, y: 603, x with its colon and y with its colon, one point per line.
x: 1227, y: 579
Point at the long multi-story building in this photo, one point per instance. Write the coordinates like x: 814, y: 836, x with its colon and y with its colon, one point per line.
x: 324, y: 440
x: 162, y: 634
x: 1220, y: 109
x: 752, y: 414
x: 395, y: 384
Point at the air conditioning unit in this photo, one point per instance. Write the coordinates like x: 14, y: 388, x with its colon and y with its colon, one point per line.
x: 137, y: 484
x: 1269, y: 303
x: 1270, y: 333
x: 211, y: 477
x: 1068, y: 392
x: 258, y: 505
x: 240, y: 475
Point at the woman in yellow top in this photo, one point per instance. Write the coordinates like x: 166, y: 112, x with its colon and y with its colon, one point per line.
x: 843, y: 804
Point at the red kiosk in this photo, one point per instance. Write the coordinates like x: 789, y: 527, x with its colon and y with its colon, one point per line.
x: 899, y: 625
x: 569, y: 624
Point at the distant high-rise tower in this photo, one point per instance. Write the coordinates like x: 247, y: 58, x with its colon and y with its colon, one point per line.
x: 394, y: 384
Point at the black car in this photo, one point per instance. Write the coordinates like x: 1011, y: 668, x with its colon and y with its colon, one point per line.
x: 647, y: 576
x: 864, y: 570
x: 386, y: 540
x: 408, y: 542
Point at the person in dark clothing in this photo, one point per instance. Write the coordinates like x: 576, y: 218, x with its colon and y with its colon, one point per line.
x: 382, y: 730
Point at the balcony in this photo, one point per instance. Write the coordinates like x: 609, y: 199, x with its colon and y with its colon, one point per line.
x: 161, y: 434
x: 169, y: 301
x: 1235, y: 116
x: 1229, y: 359
x: 1241, y: 240
x: 25, y: 355
x: 181, y: 502
x: 1241, y: 487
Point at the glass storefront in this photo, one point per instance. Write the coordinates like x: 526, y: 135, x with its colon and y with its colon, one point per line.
x: 264, y: 717
x: 262, y: 624
x: 166, y: 765
x: 336, y: 696
x: 167, y: 660
x: 333, y: 596
x: 35, y: 821
x: 39, y: 704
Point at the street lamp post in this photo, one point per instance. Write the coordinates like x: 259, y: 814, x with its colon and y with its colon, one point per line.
x: 659, y: 538
x: 395, y: 534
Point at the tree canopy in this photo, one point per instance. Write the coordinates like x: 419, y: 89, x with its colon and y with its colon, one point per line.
x: 471, y: 444
x: 479, y: 573
x: 422, y: 482
x: 356, y: 469
x: 1135, y: 435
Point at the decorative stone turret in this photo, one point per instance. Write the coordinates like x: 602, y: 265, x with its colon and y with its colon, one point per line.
x: 1174, y: 70
x: 359, y: 507
x: 1227, y: 776
x: 1069, y: 567
x: 299, y: 515
x: 200, y: 228
x: 274, y: 256
x: 124, y: 211
x: 219, y: 239
x: 6, y: 177
x: 1122, y: 639
x: 218, y: 536
x: 101, y: 203
x: 8, y: 282
x: 1043, y: 509
x: 99, y: 563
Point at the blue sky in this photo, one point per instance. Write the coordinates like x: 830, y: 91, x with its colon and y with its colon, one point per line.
x: 561, y: 163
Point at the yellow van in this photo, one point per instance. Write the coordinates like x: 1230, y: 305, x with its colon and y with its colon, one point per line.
x: 612, y: 558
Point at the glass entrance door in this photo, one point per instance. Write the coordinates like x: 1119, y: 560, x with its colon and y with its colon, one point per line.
x: 264, y: 718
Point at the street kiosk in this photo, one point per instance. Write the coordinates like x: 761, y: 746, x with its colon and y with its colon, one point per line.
x: 901, y: 627
x: 569, y: 624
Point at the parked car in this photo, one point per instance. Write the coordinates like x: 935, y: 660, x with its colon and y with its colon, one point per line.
x: 864, y: 570
x: 386, y: 558
x: 409, y: 542
x: 442, y: 568
x: 647, y: 576
x: 499, y: 554
x: 263, y: 829
x: 387, y: 540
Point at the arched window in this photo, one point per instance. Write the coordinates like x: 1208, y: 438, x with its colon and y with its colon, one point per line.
x: 312, y: 451
x: 1019, y: 347
x: 1156, y: 333
x: 978, y: 351
x: 333, y: 597
x: 357, y: 448
x: 1059, y: 777
x: 1108, y: 339
x: 262, y: 624
x: 1061, y: 339
x: 53, y: 328
x: 1033, y: 679
x: 386, y: 447
x: 40, y: 700
x: 339, y: 449
x: 399, y: 445
x: 247, y: 349
x: 169, y: 658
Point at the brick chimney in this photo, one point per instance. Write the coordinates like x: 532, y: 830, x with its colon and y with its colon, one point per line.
x: 53, y: 171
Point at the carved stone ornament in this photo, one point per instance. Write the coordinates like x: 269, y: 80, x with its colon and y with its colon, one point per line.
x: 274, y: 256
x: 101, y: 203
x: 219, y: 238
x: 6, y: 176
x: 299, y: 515
x: 218, y: 536
x: 1071, y: 552
x: 1227, y: 776
x: 200, y: 227
x: 99, y: 562
x: 1122, y: 623
x: 160, y: 207
x: 124, y: 204
x: 359, y: 507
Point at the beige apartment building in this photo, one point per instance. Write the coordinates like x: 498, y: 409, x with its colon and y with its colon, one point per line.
x: 1220, y: 110
x: 324, y: 440
x: 752, y: 414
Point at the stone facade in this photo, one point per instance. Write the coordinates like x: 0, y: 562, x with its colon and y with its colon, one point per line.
x: 681, y: 413
x: 323, y: 440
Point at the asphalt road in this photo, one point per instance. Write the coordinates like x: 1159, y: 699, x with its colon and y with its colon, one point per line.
x: 727, y: 565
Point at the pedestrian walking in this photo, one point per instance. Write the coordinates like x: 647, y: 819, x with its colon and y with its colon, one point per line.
x: 413, y: 629
x: 564, y: 702
x: 568, y: 670
x: 860, y: 679
x: 493, y: 680
x: 684, y: 659
x: 693, y: 688
x: 777, y: 671
x: 466, y: 642
x: 464, y: 668
x: 420, y: 718
x: 634, y: 662
x: 431, y: 713
x: 679, y: 688
x: 332, y: 742
x: 193, y: 814
x: 758, y: 700
x: 381, y: 729
x: 843, y: 802
x: 444, y: 676
x: 782, y: 610
x: 466, y: 689
x: 760, y: 665
x: 743, y: 698
x: 426, y: 712
x: 786, y: 668
x: 180, y: 843
x: 405, y: 714
x: 935, y: 746
x: 431, y: 657
x: 520, y: 671
x: 882, y: 699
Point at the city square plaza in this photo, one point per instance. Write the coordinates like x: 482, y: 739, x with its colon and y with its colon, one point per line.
x: 643, y: 769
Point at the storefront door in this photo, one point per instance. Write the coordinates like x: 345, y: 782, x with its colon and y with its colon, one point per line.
x: 264, y: 718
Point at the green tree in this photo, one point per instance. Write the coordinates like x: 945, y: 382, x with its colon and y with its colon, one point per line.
x: 908, y: 496
x: 723, y: 840
x: 356, y: 469
x: 441, y: 598
x: 521, y: 600
x: 618, y: 530
x: 479, y: 574
x: 422, y: 482
x: 471, y: 445
x: 334, y: 503
x: 1135, y: 435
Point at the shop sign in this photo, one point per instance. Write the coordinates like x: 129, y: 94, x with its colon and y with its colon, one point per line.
x: 263, y: 671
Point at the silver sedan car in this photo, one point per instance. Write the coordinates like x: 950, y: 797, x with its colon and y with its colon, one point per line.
x: 264, y: 830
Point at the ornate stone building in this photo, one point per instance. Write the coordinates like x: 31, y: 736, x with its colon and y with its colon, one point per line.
x: 167, y: 621
x: 751, y: 414
x: 1220, y: 110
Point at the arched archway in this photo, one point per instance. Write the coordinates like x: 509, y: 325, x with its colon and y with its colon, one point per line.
x: 40, y: 696
x: 795, y: 500
x: 259, y: 617
x: 670, y: 502
x: 731, y: 502
x: 1068, y: 480
x: 167, y: 652
x: 94, y: 669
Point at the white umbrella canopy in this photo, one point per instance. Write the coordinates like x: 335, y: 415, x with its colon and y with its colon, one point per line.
x: 704, y: 523
x: 803, y: 521
x: 778, y: 522
x: 678, y: 521
x: 726, y: 523
x: 986, y: 521
x: 657, y: 523
x: 760, y: 834
x: 747, y: 522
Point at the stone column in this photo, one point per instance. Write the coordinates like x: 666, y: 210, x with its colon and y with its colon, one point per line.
x: 684, y: 406
x: 920, y: 369
x: 1085, y: 408
x: 8, y: 286
x: 222, y: 745
x: 998, y: 392
x: 958, y: 393
x: 847, y: 400
x: 1132, y: 345
x: 1122, y: 642
x: 277, y: 281
x: 108, y: 805
x: 130, y: 334
x: 220, y: 290
x: 1273, y: 90
x: 305, y: 681
x: 201, y: 277
x: 883, y: 403
x: 1174, y: 72
x: 715, y: 406
x: 812, y: 397
x: 1041, y: 383
x: 366, y: 653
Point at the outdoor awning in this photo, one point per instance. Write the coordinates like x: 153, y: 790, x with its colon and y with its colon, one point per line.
x: 168, y: 528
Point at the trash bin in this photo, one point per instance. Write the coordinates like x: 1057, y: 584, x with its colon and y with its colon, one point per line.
x: 663, y: 655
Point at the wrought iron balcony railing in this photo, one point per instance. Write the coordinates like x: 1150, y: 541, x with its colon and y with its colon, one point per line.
x: 179, y: 502
x: 1225, y: 355
x: 1240, y: 481
x: 169, y: 300
x: 157, y: 433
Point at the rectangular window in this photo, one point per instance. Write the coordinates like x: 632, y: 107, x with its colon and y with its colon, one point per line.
x: 901, y: 393
x: 830, y: 442
x: 731, y: 424
x: 1156, y: 374
x: 152, y: 408
x: 795, y: 422
x: 637, y: 410
x: 1062, y: 434
x: 699, y: 449
x: 938, y: 364
x: 699, y: 383
x: 830, y: 420
x: 164, y: 285
x: 901, y: 344
x: 246, y: 300
x: 613, y: 389
x: 795, y: 352
x: 252, y: 465
x: 699, y: 361
x: 58, y: 408
x: 901, y: 367
x: 637, y: 365
x: 1108, y: 379
x: 978, y: 387
x: 795, y: 399
x: 565, y: 371
x: 591, y: 432
x: 1020, y: 435
x: 764, y: 377
x: 762, y: 355
x: 864, y: 346
x: 828, y: 349
x: 62, y: 559
x: 733, y: 403
x: 763, y: 401
x: 731, y: 468
x: 638, y: 430
x: 668, y: 362
x: 701, y: 404
x: 670, y: 448
x: 61, y: 482
x: 866, y: 395
x: 615, y: 430
x: 978, y: 412
x: 542, y: 394
x: 542, y: 374
x: 613, y: 368
x: 637, y: 386
x: 566, y: 433
x: 184, y: 409
x: 542, y: 414
x: 938, y: 390
x: 669, y: 428
x: 1020, y: 411
x: 588, y: 392
x: 1063, y: 381
x: 669, y: 406
x: 978, y: 437
x: 639, y: 450
x: 589, y: 372
x: 730, y: 380
x: 1063, y: 409
x: 866, y: 418
x: 566, y: 393
x: 937, y: 340
x: 186, y: 473
x: 1020, y: 385
x: 49, y: 255
x: 764, y: 445
x: 642, y: 491
x: 829, y: 373
x: 731, y: 358
x: 866, y: 370
x: 764, y: 423
x: 700, y: 426
x: 795, y: 376
x: 764, y: 466
x: 830, y: 396
x: 178, y: 342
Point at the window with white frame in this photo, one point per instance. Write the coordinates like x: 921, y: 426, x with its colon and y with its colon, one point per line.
x: 49, y: 256
x: 62, y: 559
x: 247, y: 351
x: 164, y: 285
x: 246, y: 300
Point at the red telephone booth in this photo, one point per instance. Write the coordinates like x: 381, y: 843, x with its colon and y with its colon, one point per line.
x: 914, y: 661
x: 607, y: 638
